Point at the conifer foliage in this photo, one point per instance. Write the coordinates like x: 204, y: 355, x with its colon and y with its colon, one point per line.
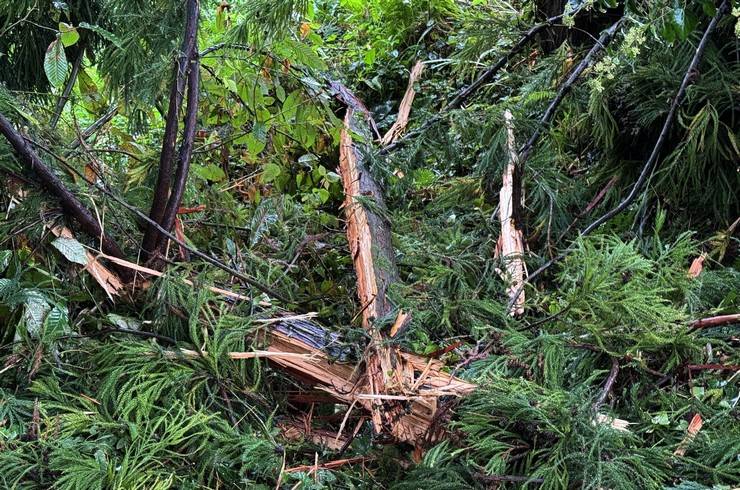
x: 257, y: 244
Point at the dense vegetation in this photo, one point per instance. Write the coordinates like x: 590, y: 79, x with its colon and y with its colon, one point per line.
x: 221, y: 123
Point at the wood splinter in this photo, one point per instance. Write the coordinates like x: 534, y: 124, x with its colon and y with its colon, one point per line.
x: 510, y: 246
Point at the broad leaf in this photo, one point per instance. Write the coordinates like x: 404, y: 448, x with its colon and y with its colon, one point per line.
x: 71, y: 249
x: 69, y: 34
x: 56, y: 322
x: 5, y: 256
x: 55, y: 64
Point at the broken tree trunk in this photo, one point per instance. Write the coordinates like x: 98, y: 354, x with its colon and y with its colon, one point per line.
x: 69, y: 201
x: 404, y: 110
x: 510, y: 245
x: 369, y: 237
x: 419, y: 382
x: 319, y: 359
x: 402, y: 403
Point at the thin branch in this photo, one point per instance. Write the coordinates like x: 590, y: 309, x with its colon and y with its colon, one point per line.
x: 565, y: 88
x: 689, y: 77
x: 62, y: 101
x: 613, y: 372
x: 715, y: 321
x: 93, y: 128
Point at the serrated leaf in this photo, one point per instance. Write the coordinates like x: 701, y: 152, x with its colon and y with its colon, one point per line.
x: 69, y: 34
x: 71, y: 249
x: 55, y: 64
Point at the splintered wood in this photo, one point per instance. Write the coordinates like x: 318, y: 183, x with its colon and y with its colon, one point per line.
x: 109, y: 281
x: 415, y: 382
x: 511, y: 241
x: 399, y: 390
x: 404, y: 110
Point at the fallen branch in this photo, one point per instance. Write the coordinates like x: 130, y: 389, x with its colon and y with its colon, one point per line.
x: 330, y: 465
x: 69, y: 201
x: 566, y: 87
x: 608, y: 384
x: 715, y: 321
x: 93, y: 128
x: 404, y: 110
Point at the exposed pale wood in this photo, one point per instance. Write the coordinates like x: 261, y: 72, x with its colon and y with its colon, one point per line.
x: 691, y: 431
x: 108, y: 280
x: 404, y: 109
x: 426, y: 383
x: 369, y: 237
x: 511, y: 241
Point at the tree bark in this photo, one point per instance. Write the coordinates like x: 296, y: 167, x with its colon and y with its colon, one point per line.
x: 186, y: 149
x: 166, y: 158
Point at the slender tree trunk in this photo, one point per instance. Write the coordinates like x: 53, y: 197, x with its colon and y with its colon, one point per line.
x: 166, y: 158
x: 186, y: 150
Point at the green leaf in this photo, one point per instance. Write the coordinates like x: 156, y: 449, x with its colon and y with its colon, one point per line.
x: 107, y: 35
x: 661, y: 419
x: 35, y: 312
x: 55, y: 64
x: 270, y: 172
x: 69, y: 34
x: 323, y: 194
x: 71, y: 249
x: 56, y: 322
x: 124, y: 322
x: 211, y: 172
x: 370, y: 57
x: 709, y: 8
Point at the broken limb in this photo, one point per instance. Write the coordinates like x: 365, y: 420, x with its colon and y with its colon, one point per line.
x: 70, y: 203
x: 511, y: 240
x: 404, y: 109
